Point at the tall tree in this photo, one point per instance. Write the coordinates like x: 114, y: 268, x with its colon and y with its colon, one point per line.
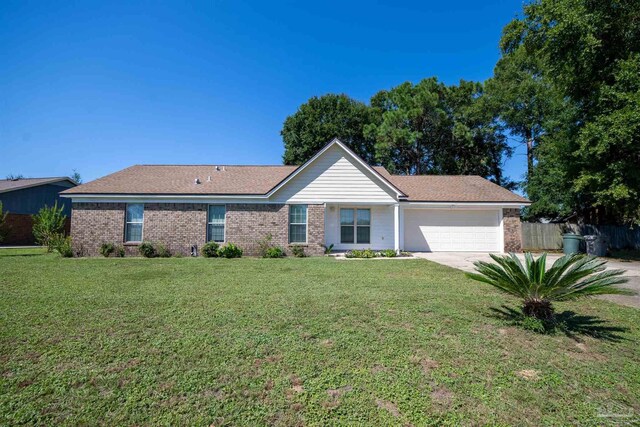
x: 589, y: 50
x: 431, y: 128
x: 321, y: 119
x: 520, y: 93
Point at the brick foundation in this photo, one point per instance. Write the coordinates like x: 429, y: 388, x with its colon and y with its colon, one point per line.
x: 512, y: 230
x: 180, y: 225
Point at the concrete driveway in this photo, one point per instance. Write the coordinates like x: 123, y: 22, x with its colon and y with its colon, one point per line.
x: 464, y: 261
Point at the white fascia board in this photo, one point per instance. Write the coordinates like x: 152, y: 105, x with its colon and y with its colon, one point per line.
x: 337, y: 142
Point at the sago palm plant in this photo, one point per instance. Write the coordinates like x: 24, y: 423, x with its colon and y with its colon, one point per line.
x: 569, y: 278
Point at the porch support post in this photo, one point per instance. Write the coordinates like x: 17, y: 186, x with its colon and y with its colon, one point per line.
x: 396, y: 228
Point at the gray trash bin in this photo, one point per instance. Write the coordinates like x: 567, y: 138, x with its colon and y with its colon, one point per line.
x: 596, y: 245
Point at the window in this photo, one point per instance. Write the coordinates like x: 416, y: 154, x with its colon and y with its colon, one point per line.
x: 134, y: 222
x: 355, y: 226
x: 298, y: 224
x: 215, y: 223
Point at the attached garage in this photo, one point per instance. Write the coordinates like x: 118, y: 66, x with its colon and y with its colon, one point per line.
x: 452, y: 230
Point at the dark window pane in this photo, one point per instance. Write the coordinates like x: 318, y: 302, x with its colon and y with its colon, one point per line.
x: 346, y: 234
x: 135, y: 212
x: 364, y: 234
x: 216, y: 214
x: 346, y: 216
x: 364, y: 217
x: 216, y: 233
x: 297, y: 233
x: 133, y: 232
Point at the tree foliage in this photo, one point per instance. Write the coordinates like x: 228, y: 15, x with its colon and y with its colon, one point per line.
x: 321, y: 119
x: 410, y: 129
x: 432, y: 128
x: 586, y: 54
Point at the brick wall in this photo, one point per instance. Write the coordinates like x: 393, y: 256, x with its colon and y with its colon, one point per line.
x: 176, y: 225
x: 512, y: 230
x: 95, y: 223
x: 249, y: 223
x: 180, y: 225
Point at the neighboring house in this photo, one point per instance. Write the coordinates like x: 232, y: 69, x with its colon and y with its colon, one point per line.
x: 23, y: 197
x: 334, y: 198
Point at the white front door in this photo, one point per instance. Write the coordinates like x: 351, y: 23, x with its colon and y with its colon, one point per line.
x: 442, y: 230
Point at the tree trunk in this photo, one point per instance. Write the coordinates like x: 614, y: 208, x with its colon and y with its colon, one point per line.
x: 529, y: 139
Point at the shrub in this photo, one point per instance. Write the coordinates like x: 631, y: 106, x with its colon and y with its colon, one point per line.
x: 274, y: 252
x: 147, y: 250
x: 4, y: 227
x: 210, y: 250
x: 162, y: 251
x: 229, y: 251
x: 328, y: 249
x: 570, y: 277
x: 106, y: 249
x: 264, y: 245
x: 298, y: 251
x: 360, y: 253
x: 62, y: 245
x: 47, y: 224
x: 388, y: 253
x: 119, y: 251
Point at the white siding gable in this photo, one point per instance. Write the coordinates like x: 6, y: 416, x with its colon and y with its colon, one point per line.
x: 334, y: 177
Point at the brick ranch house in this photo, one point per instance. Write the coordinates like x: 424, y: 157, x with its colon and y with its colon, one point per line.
x: 334, y: 198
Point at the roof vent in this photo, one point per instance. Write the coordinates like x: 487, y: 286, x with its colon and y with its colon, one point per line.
x: 197, y: 180
x: 209, y: 178
x: 217, y: 168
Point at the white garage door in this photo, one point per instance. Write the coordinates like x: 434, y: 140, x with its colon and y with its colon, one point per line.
x: 436, y: 230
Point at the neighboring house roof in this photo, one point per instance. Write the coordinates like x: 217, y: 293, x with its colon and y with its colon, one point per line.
x: 159, y: 180
x: 7, y: 185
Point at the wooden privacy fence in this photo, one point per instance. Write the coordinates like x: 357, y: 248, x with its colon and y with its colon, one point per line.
x: 537, y: 236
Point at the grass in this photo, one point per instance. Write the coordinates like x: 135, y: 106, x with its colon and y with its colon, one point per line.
x: 310, y: 341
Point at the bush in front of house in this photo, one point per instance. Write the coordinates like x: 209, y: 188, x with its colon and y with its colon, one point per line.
x: 298, y: 251
x: 388, y: 253
x: 48, y: 224
x: 62, y: 245
x: 274, y: 252
x: 106, y: 249
x: 328, y: 249
x: 162, y: 251
x: 119, y: 251
x: 210, y: 250
x: 229, y: 251
x: 147, y: 250
x: 360, y: 253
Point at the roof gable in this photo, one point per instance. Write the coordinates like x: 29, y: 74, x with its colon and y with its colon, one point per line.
x: 332, y: 168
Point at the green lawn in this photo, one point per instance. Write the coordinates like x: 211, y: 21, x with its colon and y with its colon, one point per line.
x: 295, y: 341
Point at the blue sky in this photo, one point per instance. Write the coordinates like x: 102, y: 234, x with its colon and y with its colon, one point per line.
x: 99, y: 86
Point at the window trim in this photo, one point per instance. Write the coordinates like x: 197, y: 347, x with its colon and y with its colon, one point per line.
x: 355, y: 224
x: 306, y: 224
x: 224, y: 224
x: 126, y: 223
